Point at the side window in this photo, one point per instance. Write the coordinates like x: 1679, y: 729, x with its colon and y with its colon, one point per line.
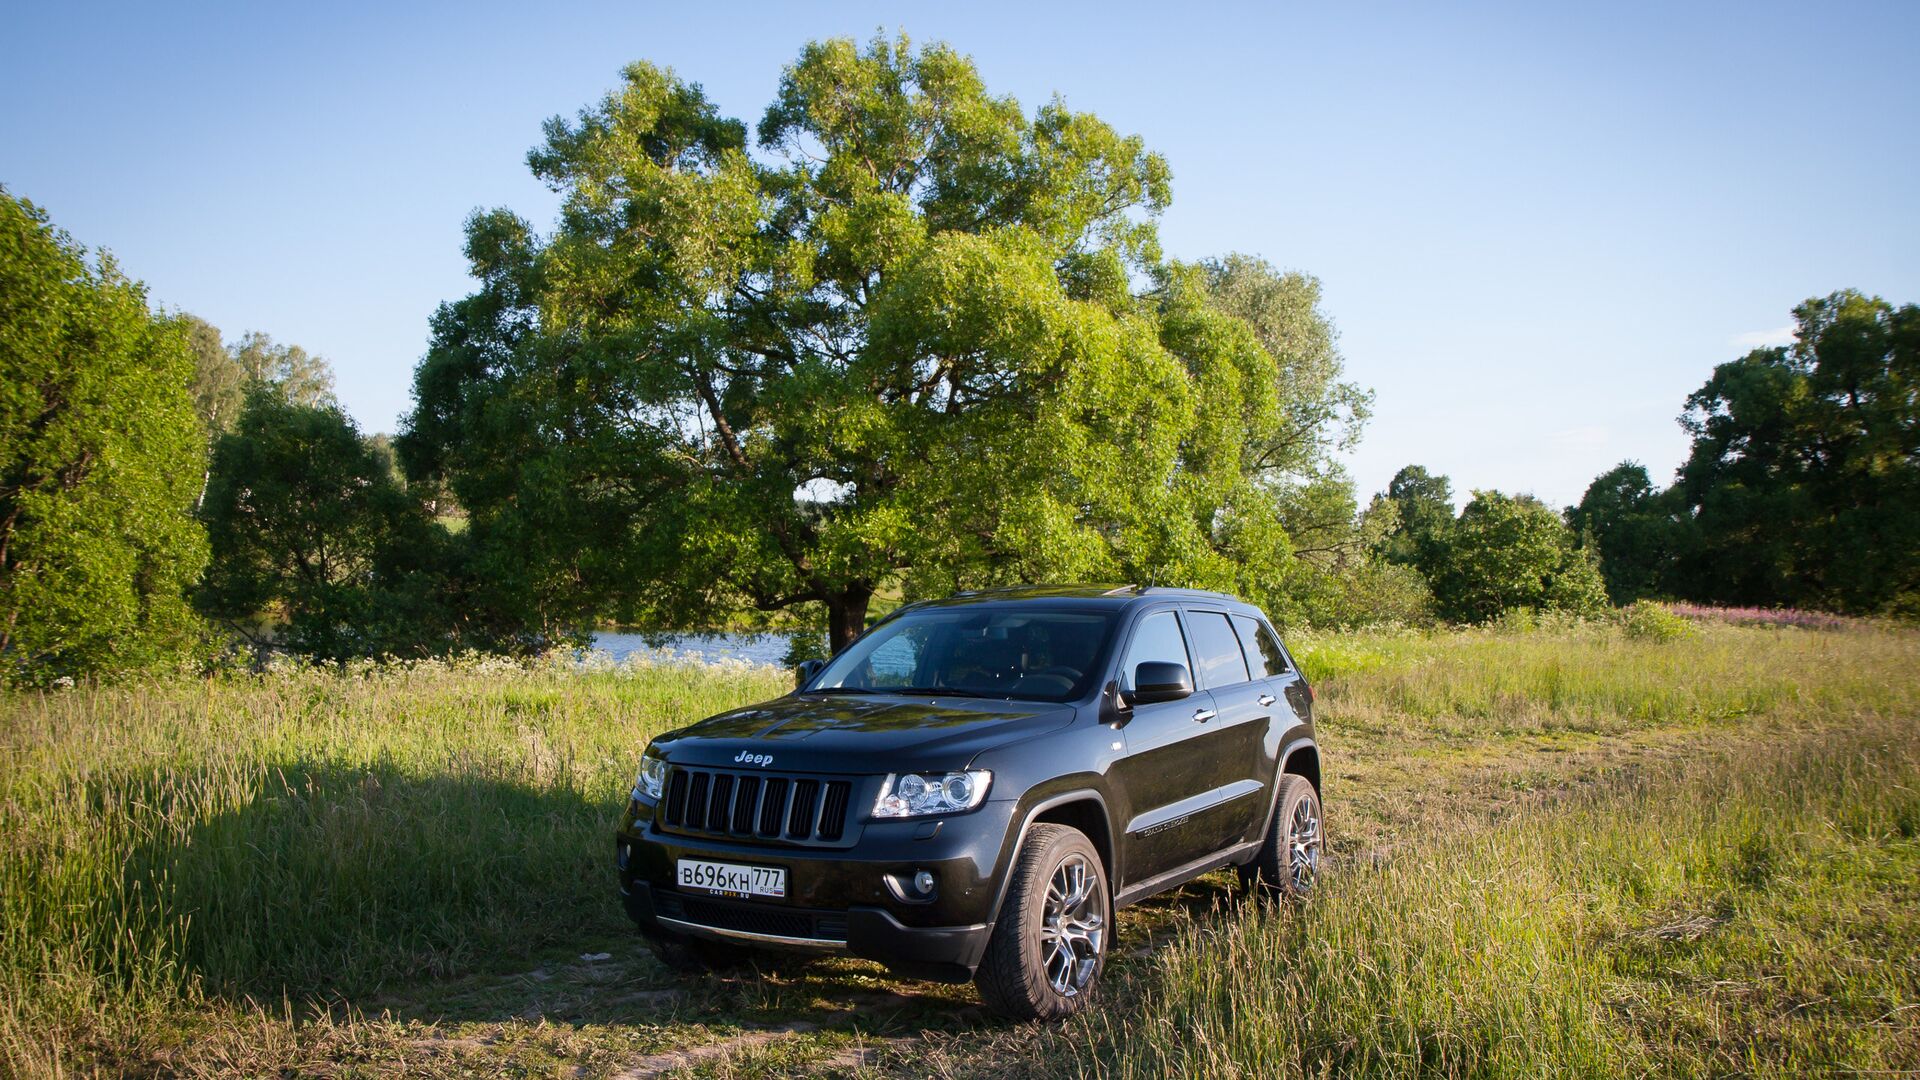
x: 1157, y: 637
x: 1262, y: 650
x: 1216, y: 650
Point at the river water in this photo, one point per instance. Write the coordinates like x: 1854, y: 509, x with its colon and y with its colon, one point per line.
x: 750, y: 648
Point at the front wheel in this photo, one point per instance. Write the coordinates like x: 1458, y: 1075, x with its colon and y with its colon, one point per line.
x: 1050, y: 942
x: 1289, y: 859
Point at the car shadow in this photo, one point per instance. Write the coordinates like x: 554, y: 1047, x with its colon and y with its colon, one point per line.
x: 472, y: 897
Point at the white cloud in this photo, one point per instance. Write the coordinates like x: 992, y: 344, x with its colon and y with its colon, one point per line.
x: 1760, y: 339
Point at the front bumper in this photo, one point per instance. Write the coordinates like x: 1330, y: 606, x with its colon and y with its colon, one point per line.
x: 841, y: 900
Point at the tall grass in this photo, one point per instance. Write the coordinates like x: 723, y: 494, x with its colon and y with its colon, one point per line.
x: 1753, y: 913
x: 310, y: 834
x: 1751, y: 908
x: 1592, y: 678
x: 170, y: 851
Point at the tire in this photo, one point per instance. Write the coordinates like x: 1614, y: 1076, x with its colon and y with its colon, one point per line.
x: 1031, y: 971
x: 697, y: 956
x: 1288, y: 862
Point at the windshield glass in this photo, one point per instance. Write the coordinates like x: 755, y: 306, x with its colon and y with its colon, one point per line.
x: 968, y: 652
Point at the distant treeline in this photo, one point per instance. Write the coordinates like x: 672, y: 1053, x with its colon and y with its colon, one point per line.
x: 909, y: 341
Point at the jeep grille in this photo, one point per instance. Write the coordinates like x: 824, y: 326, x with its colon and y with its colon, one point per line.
x: 755, y: 805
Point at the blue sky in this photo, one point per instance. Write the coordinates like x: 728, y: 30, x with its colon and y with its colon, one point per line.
x: 1538, y: 230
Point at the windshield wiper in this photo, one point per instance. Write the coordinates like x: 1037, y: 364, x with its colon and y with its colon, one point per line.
x: 840, y: 690
x: 945, y: 691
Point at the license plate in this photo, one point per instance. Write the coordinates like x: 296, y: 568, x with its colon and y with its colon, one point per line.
x: 733, y: 879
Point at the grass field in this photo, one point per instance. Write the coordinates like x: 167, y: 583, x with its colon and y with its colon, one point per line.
x: 1562, y: 851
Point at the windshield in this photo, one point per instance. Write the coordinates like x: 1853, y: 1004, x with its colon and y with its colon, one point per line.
x: 969, y: 652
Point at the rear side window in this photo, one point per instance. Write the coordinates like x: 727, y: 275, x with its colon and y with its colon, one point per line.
x: 1157, y: 637
x: 1216, y: 650
x: 1262, y: 649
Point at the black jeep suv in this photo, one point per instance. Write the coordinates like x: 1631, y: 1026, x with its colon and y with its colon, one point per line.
x: 973, y: 787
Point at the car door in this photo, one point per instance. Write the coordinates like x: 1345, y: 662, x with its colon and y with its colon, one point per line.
x: 1168, y: 757
x: 1282, y: 690
x: 1243, y: 714
x: 1271, y: 667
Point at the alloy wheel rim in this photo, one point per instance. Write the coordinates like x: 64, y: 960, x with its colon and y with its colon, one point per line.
x: 1303, y: 845
x: 1073, y: 925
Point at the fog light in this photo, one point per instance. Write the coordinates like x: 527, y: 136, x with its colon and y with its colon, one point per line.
x: 923, y: 882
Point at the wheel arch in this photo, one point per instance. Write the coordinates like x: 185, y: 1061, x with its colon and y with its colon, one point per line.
x: 1303, y: 760
x: 1070, y: 808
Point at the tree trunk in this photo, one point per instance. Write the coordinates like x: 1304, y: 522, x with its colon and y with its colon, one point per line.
x: 847, y: 615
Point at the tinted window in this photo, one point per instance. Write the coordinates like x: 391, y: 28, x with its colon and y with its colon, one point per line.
x: 1157, y: 637
x: 1261, y: 648
x: 1011, y: 653
x: 1216, y: 650
x: 895, y: 661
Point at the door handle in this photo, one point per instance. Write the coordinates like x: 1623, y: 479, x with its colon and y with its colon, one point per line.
x: 1267, y: 699
x: 1204, y: 715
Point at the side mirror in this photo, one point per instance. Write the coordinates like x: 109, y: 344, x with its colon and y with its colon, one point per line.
x: 1158, y: 680
x: 804, y: 674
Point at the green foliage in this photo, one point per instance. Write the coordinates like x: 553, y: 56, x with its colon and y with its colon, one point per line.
x: 1336, y: 579
x: 1362, y: 592
x: 1319, y: 413
x: 1635, y: 529
x: 1803, y: 482
x: 219, y: 384
x: 298, y: 376
x: 1423, y: 507
x: 309, y: 525
x: 1507, y: 553
x: 902, y: 346
x: 1644, y: 620
x: 100, y: 459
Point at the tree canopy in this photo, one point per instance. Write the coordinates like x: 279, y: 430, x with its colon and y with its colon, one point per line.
x: 915, y: 334
x: 100, y: 460
x: 310, y: 527
x: 1511, y: 552
x: 1803, y: 481
x: 1634, y: 530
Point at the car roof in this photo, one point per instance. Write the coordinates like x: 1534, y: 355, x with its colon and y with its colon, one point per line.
x: 1094, y: 596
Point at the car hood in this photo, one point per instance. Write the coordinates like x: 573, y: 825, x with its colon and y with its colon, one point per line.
x: 860, y: 733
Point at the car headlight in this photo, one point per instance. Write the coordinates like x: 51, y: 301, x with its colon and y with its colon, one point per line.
x: 914, y: 794
x: 653, y: 776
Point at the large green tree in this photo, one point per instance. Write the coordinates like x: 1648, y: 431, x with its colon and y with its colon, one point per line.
x: 1636, y: 531
x: 1510, y: 552
x: 310, y: 527
x: 1803, y: 481
x: 920, y: 336
x: 1421, y: 504
x: 100, y: 459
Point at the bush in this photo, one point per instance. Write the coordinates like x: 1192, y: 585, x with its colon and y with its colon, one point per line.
x: 1644, y: 620
x: 1371, y: 594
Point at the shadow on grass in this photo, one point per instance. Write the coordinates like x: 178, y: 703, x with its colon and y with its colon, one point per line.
x: 475, y: 899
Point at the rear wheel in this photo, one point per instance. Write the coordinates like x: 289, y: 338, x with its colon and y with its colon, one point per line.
x: 1289, y: 859
x: 1050, y: 942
